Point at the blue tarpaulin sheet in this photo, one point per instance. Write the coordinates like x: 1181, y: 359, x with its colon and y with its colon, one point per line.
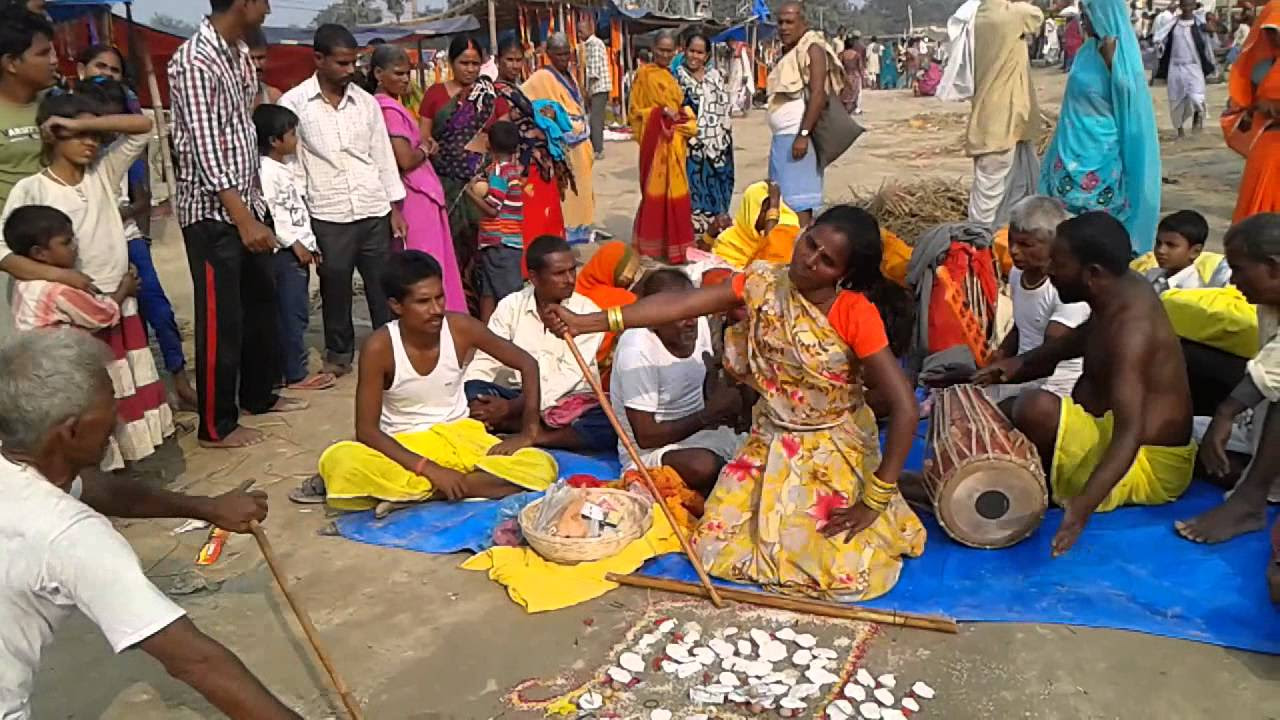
x: 1129, y: 570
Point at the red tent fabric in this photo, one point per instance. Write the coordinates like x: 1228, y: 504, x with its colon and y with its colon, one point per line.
x: 287, y: 65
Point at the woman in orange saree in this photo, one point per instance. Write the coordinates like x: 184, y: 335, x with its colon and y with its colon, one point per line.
x: 1252, y: 120
x: 607, y: 279
x: 663, y: 126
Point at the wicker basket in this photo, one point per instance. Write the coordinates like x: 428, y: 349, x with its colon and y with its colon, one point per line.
x: 637, y: 516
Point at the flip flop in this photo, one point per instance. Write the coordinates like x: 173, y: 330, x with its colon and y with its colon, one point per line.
x: 310, y: 492
x: 319, y: 381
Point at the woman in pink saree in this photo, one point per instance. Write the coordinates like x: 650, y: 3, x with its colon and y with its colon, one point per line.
x: 424, y: 207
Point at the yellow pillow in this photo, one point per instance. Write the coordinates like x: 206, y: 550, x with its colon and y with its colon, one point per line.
x: 1218, y: 317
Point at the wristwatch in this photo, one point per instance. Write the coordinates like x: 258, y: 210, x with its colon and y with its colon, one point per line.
x: 804, y: 133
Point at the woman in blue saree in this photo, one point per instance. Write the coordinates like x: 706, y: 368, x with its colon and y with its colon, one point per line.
x: 889, y: 66
x: 1105, y: 153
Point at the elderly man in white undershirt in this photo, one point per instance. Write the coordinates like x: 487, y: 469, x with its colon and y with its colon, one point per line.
x: 1038, y: 313
x: 61, y: 553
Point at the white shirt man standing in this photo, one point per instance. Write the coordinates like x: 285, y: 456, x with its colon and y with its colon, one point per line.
x: 353, y: 183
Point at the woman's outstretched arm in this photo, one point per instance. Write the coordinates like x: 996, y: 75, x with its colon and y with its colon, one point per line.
x: 652, y: 311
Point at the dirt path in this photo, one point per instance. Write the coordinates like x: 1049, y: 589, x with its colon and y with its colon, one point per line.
x: 418, y: 638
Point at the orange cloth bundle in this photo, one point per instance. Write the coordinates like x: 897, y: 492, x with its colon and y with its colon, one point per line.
x: 686, y: 505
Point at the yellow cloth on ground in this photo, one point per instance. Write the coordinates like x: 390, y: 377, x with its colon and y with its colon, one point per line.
x: 356, y: 476
x: 1218, y: 317
x: 742, y: 243
x: 539, y: 585
x: 1158, y: 475
x: 1004, y: 110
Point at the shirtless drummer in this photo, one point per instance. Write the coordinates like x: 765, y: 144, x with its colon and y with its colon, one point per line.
x: 1124, y: 435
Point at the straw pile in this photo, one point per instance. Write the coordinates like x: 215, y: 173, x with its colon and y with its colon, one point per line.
x: 910, y: 208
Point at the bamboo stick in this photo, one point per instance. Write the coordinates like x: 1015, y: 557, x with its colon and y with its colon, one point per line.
x: 308, y: 629
x: 800, y: 605
x: 157, y: 107
x: 709, y: 589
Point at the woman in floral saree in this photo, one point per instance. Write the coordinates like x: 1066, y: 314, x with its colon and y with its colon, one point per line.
x: 663, y: 126
x: 1105, y: 154
x: 454, y: 115
x: 710, y: 163
x: 809, y: 506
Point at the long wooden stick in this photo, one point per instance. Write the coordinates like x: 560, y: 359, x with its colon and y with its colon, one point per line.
x: 644, y: 472
x: 801, y: 605
x: 308, y: 629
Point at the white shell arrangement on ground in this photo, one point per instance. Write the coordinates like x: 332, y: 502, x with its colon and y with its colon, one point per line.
x: 780, y: 672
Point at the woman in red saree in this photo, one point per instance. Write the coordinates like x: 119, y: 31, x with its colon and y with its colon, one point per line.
x: 1252, y: 120
x: 544, y: 175
x: 663, y: 126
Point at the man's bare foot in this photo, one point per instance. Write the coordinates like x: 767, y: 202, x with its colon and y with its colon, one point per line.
x: 288, y: 405
x: 241, y: 437
x: 386, y: 507
x: 187, y: 398
x: 1228, y: 520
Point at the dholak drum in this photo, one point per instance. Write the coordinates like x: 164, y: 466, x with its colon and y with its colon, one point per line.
x: 986, y: 481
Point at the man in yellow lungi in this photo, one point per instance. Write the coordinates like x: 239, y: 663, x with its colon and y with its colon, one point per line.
x: 414, y: 439
x: 1124, y: 435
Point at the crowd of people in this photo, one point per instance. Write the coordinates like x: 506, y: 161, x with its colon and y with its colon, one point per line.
x: 764, y: 377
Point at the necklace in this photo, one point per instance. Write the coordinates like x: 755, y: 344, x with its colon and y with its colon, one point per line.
x: 54, y: 177
x: 1023, y: 282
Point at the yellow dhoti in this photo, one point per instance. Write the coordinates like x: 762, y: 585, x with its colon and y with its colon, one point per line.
x: 1159, y: 474
x: 357, y: 477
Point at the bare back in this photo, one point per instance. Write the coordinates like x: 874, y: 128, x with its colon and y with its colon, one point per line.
x: 1130, y: 347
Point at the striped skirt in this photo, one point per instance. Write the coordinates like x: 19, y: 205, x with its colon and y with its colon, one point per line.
x: 145, y: 419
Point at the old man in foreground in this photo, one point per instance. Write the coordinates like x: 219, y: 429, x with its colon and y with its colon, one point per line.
x: 57, y: 411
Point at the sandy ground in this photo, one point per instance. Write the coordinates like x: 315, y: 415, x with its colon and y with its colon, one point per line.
x: 416, y: 637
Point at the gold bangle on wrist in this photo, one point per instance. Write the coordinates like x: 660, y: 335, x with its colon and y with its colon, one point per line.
x: 616, y: 324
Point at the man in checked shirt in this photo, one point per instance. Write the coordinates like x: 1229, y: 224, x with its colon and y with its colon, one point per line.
x: 220, y: 208
x: 599, y: 83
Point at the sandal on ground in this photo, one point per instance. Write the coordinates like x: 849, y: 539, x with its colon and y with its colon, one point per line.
x: 310, y: 492
x: 319, y: 381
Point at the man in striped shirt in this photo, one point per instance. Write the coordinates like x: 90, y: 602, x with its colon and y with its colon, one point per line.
x: 219, y: 205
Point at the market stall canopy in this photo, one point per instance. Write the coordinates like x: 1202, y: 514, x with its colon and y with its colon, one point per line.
x: 62, y: 10
x: 411, y: 32
x: 742, y: 33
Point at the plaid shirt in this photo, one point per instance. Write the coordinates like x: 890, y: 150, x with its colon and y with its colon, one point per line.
x: 596, y: 63
x: 215, y: 143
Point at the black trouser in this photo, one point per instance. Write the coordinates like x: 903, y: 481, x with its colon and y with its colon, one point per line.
x: 1213, y: 374
x: 363, y: 245
x: 235, y: 301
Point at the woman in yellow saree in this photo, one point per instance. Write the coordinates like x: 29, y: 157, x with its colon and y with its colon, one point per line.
x: 809, y: 506
x: 663, y: 125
